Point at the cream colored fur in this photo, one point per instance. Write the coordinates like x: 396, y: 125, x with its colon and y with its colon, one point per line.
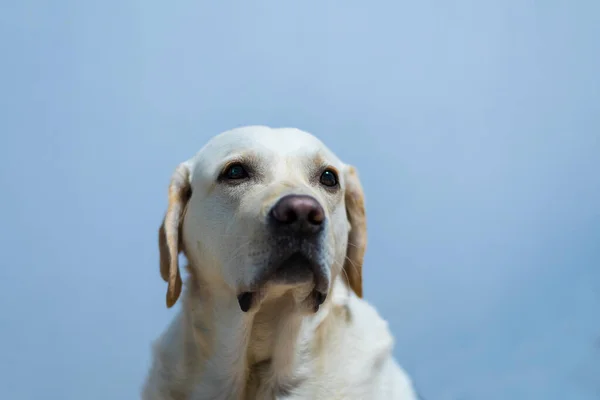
x: 280, y: 348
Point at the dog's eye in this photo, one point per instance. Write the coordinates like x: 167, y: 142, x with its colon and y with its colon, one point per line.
x: 328, y: 178
x: 235, y: 171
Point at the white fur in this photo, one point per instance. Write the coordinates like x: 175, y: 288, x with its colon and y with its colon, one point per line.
x: 278, y: 349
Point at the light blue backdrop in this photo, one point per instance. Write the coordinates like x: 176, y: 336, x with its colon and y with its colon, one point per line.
x: 475, y: 126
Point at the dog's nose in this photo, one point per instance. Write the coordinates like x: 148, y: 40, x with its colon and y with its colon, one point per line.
x: 300, y: 213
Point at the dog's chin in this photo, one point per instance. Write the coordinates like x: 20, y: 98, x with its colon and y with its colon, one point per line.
x: 295, y: 272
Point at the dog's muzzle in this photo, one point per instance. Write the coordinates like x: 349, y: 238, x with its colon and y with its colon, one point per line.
x: 296, y: 224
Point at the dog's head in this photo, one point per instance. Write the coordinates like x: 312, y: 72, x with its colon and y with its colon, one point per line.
x: 258, y: 208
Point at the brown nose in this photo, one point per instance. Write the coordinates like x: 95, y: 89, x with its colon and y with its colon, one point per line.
x: 298, y: 213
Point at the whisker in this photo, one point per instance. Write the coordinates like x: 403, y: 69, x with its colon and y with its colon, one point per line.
x: 353, y: 245
x: 352, y: 264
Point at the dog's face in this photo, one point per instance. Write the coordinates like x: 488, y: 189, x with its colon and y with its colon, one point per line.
x: 258, y: 208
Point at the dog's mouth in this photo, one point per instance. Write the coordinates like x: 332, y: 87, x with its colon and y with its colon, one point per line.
x: 294, y: 270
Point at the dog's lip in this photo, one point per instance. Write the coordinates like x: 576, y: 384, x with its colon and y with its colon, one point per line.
x: 298, y: 268
x: 296, y: 260
x: 295, y: 269
x: 245, y: 301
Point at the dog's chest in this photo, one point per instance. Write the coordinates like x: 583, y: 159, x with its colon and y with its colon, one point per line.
x: 266, y: 382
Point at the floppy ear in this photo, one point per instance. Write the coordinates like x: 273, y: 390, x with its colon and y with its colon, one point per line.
x: 357, y: 237
x: 169, y: 234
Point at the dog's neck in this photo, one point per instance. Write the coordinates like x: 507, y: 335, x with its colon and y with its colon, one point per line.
x: 244, y: 355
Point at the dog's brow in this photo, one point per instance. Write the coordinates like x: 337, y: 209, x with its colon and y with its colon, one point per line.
x: 318, y: 163
x: 247, y: 158
x: 319, y: 159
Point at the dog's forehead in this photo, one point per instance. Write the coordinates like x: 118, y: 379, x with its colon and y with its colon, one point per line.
x: 262, y: 140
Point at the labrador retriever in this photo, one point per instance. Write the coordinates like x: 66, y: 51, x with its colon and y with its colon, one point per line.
x: 273, y: 228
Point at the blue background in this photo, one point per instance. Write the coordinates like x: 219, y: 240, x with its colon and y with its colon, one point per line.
x: 475, y: 126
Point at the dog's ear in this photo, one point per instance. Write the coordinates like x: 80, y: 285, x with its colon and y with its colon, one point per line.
x: 169, y: 234
x: 357, y: 236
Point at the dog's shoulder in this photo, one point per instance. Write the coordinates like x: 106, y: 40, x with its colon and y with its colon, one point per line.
x: 360, y: 327
x: 169, y: 375
x: 353, y: 346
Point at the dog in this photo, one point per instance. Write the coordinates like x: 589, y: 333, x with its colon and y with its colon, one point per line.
x: 272, y: 225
